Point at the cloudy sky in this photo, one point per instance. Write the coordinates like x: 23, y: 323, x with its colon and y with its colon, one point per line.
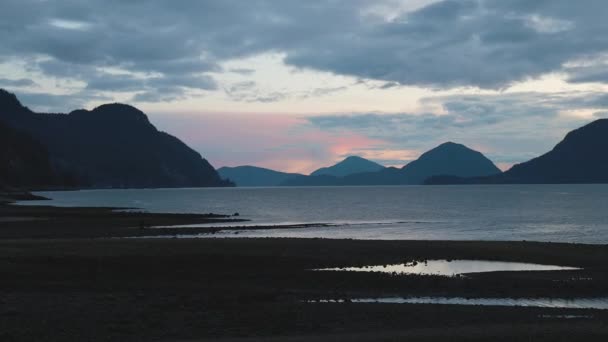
x: 295, y: 85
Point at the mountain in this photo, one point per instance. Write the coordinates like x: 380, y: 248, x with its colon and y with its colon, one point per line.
x: 114, y: 145
x: 254, y: 176
x: 24, y: 162
x: 447, y: 159
x: 349, y: 166
x: 579, y: 158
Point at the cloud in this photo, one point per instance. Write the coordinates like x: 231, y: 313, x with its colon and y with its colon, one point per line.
x: 270, y: 140
x: 248, y: 91
x: 161, y: 51
x: 481, y: 43
x: 595, y: 72
x: 45, y: 102
x: 510, y: 127
x: 242, y: 71
x: 167, y: 94
x: 487, y: 44
x: 21, y: 82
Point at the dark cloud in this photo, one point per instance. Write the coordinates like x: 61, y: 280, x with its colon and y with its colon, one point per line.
x: 105, y: 82
x: 597, y: 73
x: 485, y: 43
x: 389, y: 85
x: 21, y: 82
x: 165, y: 94
x: 242, y: 71
x: 489, y: 44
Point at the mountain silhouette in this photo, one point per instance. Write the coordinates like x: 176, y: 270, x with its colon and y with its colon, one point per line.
x: 113, y: 145
x: 578, y: 158
x: 254, y: 176
x: 447, y: 159
x: 349, y: 166
x: 24, y: 162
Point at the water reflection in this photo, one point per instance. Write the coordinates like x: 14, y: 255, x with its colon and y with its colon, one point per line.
x: 452, y: 268
x: 574, y: 303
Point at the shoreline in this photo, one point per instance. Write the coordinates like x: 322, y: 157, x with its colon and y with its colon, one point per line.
x: 197, y: 289
x: 49, y: 222
x: 58, y: 263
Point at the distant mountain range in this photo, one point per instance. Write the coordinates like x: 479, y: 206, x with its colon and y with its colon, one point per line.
x: 258, y: 176
x: 580, y: 158
x: 349, y: 166
x: 254, y: 176
x: 112, y: 146
x: 116, y: 146
x: 446, y: 159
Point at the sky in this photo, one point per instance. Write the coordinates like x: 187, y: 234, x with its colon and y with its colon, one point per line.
x: 296, y: 85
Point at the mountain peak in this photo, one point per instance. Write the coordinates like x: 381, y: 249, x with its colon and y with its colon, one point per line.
x: 9, y: 101
x: 117, y: 112
x: 353, y: 158
x: 448, y: 148
x: 113, y: 145
x: 451, y: 146
x: 117, y: 107
x: 450, y: 159
x: 596, y: 128
x: 350, y: 165
x: 578, y: 158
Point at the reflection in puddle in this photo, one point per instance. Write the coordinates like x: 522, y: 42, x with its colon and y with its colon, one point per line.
x: 566, y: 316
x: 575, y: 303
x: 452, y: 268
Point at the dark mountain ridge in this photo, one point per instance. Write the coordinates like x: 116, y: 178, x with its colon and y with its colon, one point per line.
x: 449, y: 159
x: 254, y: 176
x: 111, y: 146
x: 579, y: 158
x: 350, y: 165
x: 446, y: 159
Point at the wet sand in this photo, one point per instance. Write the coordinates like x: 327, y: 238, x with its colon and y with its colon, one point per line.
x: 60, y: 283
x: 27, y: 222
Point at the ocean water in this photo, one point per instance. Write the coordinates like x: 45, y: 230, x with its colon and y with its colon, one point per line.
x: 558, y: 213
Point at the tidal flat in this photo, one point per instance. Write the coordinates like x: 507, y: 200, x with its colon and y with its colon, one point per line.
x: 62, y: 282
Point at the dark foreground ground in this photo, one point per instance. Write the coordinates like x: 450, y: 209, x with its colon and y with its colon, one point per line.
x: 76, y: 288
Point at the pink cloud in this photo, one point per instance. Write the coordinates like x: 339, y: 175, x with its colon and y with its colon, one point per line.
x: 280, y: 142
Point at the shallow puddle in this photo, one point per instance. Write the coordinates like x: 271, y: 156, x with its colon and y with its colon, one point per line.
x: 452, y: 268
x: 575, y: 303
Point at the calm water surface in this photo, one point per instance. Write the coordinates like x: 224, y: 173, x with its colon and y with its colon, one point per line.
x: 560, y: 213
x: 452, y: 267
x: 564, y: 303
